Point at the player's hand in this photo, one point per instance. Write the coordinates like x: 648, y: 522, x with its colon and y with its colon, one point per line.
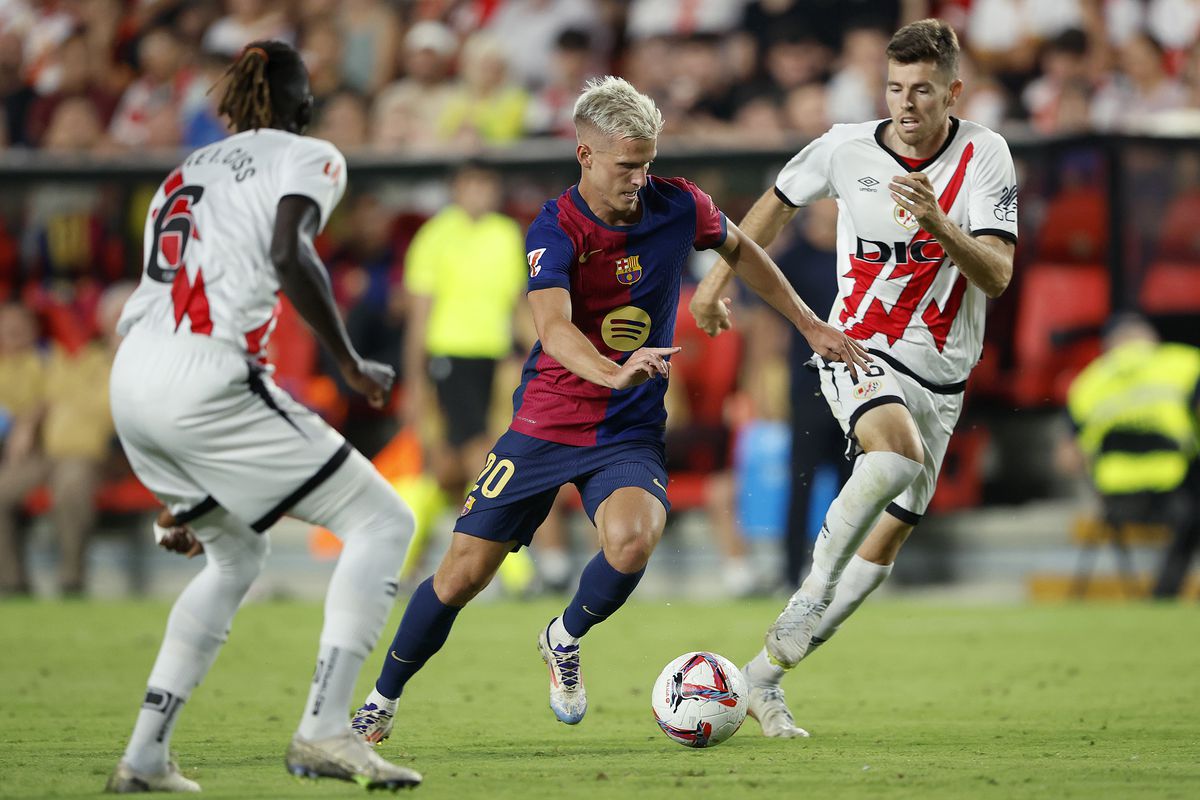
x: 713, y: 316
x: 372, y: 379
x: 175, y: 537
x: 644, y: 364
x: 834, y: 345
x: 914, y: 192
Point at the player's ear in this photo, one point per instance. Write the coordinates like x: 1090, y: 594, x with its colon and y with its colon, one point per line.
x: 583, y: 154
x: 956, y: 87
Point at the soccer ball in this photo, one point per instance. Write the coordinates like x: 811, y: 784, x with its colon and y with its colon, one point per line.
x: 700, y: 699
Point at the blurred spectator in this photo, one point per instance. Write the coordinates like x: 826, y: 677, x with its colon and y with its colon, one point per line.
x: 22, y: 373
x: 370, y: 36
x: 1139, y: 90
x: 149, y: 111
x: 1065, y: 60
x: 343, y: 120
x: 17, y: 96
x: 805, y: 110
x: 485, y: 107
x: 1134, y: 411
x: 1004, y: 35
x: 322, y: 49
x: 649, y: 18
x: 552, y: 109
x: 700, y: 101
x: 366, y: 270
x: 856, y: 88
x: 74, y: 77
x: 406, y: 113
x: 247, y: 21
x: 199, y: 120
x: 464, y: 273
x: 792, y: 63
x: 537, y: 26
x: 62, y: 441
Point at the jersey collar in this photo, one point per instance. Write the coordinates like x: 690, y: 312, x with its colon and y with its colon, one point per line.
x: 919, y: 167
x: 586, y: 210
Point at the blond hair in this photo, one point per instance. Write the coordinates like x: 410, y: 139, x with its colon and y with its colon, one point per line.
x: 612, y: 106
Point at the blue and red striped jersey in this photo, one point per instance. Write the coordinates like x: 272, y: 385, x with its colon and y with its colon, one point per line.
x: 624, y: 285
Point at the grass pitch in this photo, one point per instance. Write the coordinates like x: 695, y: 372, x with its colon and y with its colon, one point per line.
x: 911, y: 700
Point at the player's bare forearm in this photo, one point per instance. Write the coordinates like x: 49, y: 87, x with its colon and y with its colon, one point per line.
x: 564, y: 342
x: 567, y: 345
x: 986, y: 260
x: 303, y: 277
x: 419, y: 308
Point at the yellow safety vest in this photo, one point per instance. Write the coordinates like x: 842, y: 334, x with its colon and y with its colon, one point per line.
x: 1134, y: 408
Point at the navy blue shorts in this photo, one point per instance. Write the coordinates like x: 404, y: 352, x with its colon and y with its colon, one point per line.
x: 522, y: 476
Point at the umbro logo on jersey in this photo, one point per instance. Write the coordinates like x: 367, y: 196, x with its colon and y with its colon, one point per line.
x: 867, y: 184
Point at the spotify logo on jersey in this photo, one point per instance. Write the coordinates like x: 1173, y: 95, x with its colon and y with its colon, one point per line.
x: 626, y: 328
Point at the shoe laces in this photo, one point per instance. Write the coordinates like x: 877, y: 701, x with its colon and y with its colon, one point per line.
x: 799, y: 616
x: 566, y: 663
x: 772, y: 698
x: 369, y: 715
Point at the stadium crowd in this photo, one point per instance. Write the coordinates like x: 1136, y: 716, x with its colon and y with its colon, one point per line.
x: 104, y: 76
x: 94, y: 79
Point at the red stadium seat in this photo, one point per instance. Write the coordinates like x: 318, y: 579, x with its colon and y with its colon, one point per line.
x: 1171, y: 287
x: 1061, y: 312
x: 1179, y: 237
x: 1075, y: 228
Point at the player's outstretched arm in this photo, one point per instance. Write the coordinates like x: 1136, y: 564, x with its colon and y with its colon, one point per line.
x: 567, y: 345
x: 306, y: 284
x: 760, y: 273
x: 986, y: 260
x: 762, y: 223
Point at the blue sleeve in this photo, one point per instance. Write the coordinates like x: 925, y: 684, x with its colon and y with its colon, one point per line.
x: 549, y: 252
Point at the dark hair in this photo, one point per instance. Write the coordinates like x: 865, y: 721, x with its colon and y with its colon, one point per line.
x: 926, y: 40
x: 267, y: 87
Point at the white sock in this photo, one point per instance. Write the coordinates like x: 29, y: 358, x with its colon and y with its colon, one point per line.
x: 878, y: 478
x: 558, y: 634
x: 860, y: 578
x: 329, y: 698
x: 760, y: 671
x: 379, y: 701
x: 197, y: 627
x: 376, y: 526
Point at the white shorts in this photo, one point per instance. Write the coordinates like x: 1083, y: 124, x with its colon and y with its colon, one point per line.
x: 934, y: 409
x: 202, y: 426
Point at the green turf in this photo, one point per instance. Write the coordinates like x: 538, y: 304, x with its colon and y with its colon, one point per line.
x: 911, y: 700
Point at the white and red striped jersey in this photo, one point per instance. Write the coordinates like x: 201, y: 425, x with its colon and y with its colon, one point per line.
x: 207, y: 241
x: 898, y: 291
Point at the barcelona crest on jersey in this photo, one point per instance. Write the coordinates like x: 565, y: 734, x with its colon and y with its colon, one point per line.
x: 629, y: 270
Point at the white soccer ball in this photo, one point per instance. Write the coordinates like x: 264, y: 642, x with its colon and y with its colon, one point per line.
x: 700, y: 699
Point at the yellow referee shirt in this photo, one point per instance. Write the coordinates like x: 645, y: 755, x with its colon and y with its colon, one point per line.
x: 474, y: 272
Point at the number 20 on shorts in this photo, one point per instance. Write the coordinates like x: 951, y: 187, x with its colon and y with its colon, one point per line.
x: 494, y: 477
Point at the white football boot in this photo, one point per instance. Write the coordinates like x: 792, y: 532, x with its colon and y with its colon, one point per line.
x: 126, y: 780
x: 568, y: 699
x: 373, y: 722
x: 770, y: 709
x: 347, y: 757
x: 788, y: 639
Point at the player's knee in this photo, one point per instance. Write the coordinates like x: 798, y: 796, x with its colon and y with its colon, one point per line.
x: 457, y: 587
x: 630, y: 551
